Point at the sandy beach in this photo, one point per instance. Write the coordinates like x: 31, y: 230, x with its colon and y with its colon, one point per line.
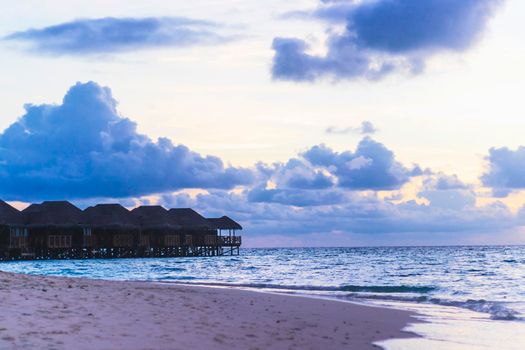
x: 68, y: 313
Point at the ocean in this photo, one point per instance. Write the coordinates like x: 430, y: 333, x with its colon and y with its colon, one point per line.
x: 483, y: 288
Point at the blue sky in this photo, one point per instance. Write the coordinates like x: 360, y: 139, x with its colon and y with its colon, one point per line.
x: 332, y: 122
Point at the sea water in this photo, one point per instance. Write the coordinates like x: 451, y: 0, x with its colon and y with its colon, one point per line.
x: 474, y: 297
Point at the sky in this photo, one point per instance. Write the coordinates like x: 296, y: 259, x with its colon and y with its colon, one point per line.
x: 311, y: 122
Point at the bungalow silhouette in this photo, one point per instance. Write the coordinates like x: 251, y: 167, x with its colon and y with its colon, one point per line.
x: 60, y: 230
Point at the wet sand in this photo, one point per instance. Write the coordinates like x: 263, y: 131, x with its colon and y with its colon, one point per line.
x: 67, y: 313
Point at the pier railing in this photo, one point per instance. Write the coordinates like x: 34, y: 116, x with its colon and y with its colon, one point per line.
x: 229, y: 240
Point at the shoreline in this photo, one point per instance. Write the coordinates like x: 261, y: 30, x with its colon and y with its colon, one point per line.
x: 64, y: 312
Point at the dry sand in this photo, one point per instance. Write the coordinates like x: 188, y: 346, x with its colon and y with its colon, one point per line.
x: 64, y: 313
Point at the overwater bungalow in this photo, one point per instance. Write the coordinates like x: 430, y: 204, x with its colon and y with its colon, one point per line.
x: 159, y: 233
x: 230, y: 227
x: 110, y: 230
x: 11, y: 228
x: 59, y: 230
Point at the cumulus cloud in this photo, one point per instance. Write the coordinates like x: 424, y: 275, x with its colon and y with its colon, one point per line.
x: 383, y: 36
x: 366, y: 128
x: 506, y: 170
x: 83, y: 148
x: 299, y: 174
x: 371, y: 167
x: 108, y: 35
x: 321, y: 176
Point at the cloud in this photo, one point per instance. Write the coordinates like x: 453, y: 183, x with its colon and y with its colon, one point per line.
x: 109, y: 35
x: 366, y: 128
x: 367, y: 215
x: 83, y: 148
x: 441, y: 181
x: 381, y: 37
x: 506, y: 170
x: 322, y: 177
x: 298, y: 198
x: 444, y: 209
x: 447, y: 192
x: 319, y: 177
x: 450, y: 199
x: 371, y: 167
x: 299, y: 174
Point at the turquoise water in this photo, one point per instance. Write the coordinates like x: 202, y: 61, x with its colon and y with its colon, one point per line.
x: 484, y: 279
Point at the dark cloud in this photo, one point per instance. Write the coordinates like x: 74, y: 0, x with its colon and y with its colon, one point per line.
x: 107, y: 35
x: 371, y: 167
x: 83, y: 148
x: 506, y: 170
x: 383, y: 36
x: 399, y: 26
x: 366, y: 128
x: 292, y: 62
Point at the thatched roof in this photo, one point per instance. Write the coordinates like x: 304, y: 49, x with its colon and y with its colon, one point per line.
x: 8, y: 214
x: 153, y: 216
x: 63, y: 213
x: 60, y: 213
x: 109, y: 215
x: 187, y: 217
x: 224, y: 223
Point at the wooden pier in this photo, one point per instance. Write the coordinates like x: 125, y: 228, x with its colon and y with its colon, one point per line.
x: 59, y: 230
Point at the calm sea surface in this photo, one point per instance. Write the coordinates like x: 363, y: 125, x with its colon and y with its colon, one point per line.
x: 486, y: 281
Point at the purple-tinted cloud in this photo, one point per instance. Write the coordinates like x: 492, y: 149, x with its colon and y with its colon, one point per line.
x: 383, y: 36
x: 506, y: 170
x: 108, y: 35
x: 83, y: 148
x: 371, y: 167
x: 357, y: 214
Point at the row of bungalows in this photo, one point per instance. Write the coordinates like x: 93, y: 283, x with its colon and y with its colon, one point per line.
x: 60, y: 230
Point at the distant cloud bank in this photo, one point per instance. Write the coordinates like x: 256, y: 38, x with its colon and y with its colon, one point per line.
x: 109, y: 35
x: 381, y: 37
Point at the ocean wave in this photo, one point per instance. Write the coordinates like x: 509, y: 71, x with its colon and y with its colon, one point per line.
x: 496, y: 310
x: 175, y: 279
x: 314, y: 288
x: 402, y: 293
x: 173, y: 269
x: 408, y: 275
x: 389, y: 289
